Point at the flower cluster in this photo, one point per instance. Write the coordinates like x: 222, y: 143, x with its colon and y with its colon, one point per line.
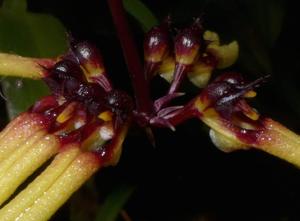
x: 193, y: 52
x: 81, y: 126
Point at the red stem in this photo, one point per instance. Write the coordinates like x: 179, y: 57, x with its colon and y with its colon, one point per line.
x: 185, y: 114
x: 140, y: 84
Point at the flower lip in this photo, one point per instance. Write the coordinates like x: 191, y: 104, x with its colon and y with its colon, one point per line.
x: 226, y: 92
x: 222, y: 106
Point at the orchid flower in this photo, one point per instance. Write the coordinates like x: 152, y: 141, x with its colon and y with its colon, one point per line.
x: 81, y: 126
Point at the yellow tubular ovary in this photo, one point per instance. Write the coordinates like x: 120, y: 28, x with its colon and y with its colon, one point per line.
x: 280, y: 141
x: 6, y: 163
x: 37, y: 154
x: 69, y: 169
x: 18, y: 66
x: 41, y: 184
x: 78, y: 172
x: 17, y: 133
x: 11, y: 125
x: 272, y: 138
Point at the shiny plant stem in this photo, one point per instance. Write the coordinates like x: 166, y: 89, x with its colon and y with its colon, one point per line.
x: 139, y: 82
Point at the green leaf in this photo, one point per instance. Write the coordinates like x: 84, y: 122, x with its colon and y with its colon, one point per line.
x: 15, y: 5
x: 141, y: 13
x: 84, y: 202
x: 113, y: 204
x: 27, y: 34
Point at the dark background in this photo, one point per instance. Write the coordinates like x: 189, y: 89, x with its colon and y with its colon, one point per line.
x: 185, y: 177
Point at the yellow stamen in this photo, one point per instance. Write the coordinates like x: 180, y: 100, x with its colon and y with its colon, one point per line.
x: 106, y: 116
x: 67, y: 113
x: 99, y: 137
x: 91, y: 71
x: 250, y: 94
x: 252, y: 114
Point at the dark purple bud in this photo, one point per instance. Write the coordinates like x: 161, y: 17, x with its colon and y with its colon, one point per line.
x: 89, y: 57
x: 87, y: 54
x: 188, y: 43
x: 156, y: 46
x: 187, y: 46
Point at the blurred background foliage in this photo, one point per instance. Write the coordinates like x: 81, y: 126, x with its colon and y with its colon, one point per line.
x: 184, y: 177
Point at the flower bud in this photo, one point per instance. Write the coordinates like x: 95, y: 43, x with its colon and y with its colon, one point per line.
x: 187, y: 45
x: 90, y: 59
x: 156, y: 47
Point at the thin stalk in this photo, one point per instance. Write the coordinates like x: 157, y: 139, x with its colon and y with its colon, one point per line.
x: 139, y: 82
x: 183, y: 115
